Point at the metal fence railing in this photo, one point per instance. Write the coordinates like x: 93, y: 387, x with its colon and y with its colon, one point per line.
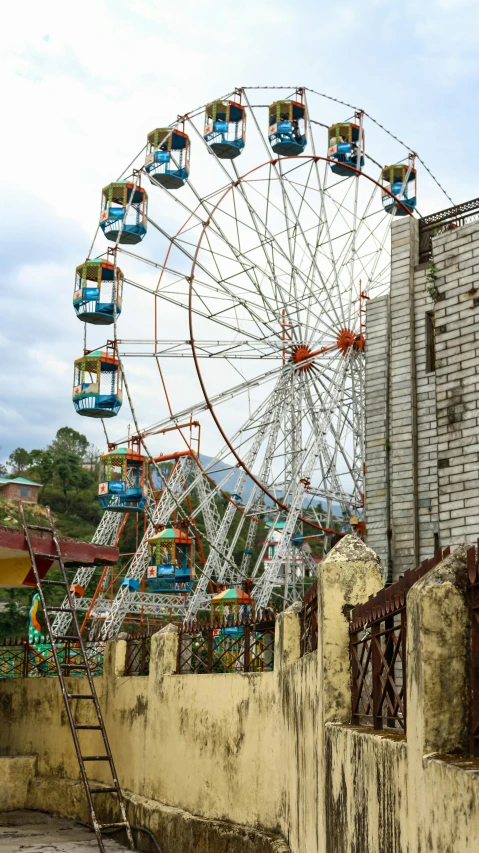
x: 229, y: 645
x: 309, y: 621
x: 138, y: 647
x: 21, y: 659
x: 444, y: 220
x: 378, y: 652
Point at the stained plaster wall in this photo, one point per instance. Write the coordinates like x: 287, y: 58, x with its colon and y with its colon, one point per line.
x: 276, y: 750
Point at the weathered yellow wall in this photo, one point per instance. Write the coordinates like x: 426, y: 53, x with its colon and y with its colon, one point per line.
x: 208, y: 744
x: 274, y: 750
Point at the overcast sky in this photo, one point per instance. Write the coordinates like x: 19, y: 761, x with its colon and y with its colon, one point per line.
x: 82, y: 84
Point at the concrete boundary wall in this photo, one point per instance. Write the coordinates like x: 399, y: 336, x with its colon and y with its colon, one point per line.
x: 271, y: 758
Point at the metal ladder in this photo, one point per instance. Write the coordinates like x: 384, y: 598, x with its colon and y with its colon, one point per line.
x: 89, y: 697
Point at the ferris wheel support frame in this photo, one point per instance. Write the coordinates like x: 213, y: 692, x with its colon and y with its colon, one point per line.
x: 107, y: 533
x: 209, y: 404
x: 228, y: 566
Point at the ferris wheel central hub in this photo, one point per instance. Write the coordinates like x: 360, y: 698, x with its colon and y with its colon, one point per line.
x: 302, y: 353
x: 348, y: 339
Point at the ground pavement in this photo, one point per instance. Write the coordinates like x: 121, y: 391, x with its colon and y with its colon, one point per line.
x: 36, y: 832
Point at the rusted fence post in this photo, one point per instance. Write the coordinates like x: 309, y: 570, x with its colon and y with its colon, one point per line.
x: 25, y: 659
x: 209, y: 653
x: 376, y: 673
x: 378, y: 658
x: 246, y: 652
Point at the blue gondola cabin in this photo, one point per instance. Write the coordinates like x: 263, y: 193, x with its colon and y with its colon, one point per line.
x: 346, y: 148
x: 122, y: 486
x: 225, y: 128
x: 167, y: 157
x: 123, y: 212
x: 399, y: 183
x: 171, y: 567
x: 97, y: 384
x: 98, y: 292
x: 287, y: 128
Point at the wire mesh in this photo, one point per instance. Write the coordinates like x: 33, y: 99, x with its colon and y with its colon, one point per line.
x: 309, y: 621
x: 138, y: 649
x: 21, y: 659
x: 229, y: 645
x: 378, y: 652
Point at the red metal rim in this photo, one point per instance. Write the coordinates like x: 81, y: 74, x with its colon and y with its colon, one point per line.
x: 211, y: 409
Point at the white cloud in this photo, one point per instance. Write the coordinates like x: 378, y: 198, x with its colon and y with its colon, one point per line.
x: 84, y: 83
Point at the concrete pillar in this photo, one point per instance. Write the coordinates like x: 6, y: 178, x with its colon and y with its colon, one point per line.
x: 287, y: 637
x: 403, y: 401
x: 164, y: 652
x: 437, y: 647
x: 437, y: 679
x: 114, y: 657
x: 377, y: 429
x: 428, y: 519
x: 349, y: 574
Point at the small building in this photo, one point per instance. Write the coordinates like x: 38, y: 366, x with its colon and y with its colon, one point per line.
x: 19, y: 489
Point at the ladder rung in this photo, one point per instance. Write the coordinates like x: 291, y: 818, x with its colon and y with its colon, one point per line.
x: 66, y: 637
x: 95, y: 757
x: 80, y: 696
x: 60, y: 609
x: 115, y: 789
x: 47, y: 556
x: 103, y: 790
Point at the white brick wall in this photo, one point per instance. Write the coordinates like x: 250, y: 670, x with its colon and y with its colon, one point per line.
x: 456, y: 255
x: 422, y: 429
x: 376, y: 425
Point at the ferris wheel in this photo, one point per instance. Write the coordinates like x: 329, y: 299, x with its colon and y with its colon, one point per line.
x: 248, y: 237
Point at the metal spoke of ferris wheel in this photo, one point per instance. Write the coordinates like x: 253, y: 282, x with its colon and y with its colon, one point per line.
x: 287, y: 204
x: 106, y: 534
x: 213, y: 565
x: 264, y: 476
x: 254, y: 215
x: 267, y: 581
x: 285, y: 399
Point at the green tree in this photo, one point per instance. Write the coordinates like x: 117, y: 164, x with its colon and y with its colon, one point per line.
x: 14, y: 618
x: 68, y: 440
x: 42, y: 467
x: 92, y: 459
x: 19, y: 460
x: 71, y: 476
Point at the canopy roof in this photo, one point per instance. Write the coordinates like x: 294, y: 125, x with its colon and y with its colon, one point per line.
x: 232, y: 596
x: 21, y: 481
x: 170, y: 533
x: 120, y: 453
